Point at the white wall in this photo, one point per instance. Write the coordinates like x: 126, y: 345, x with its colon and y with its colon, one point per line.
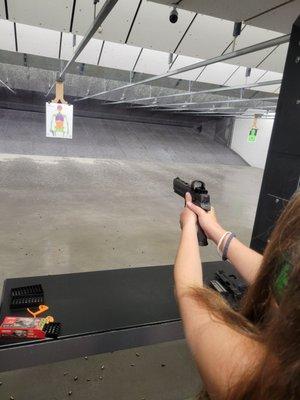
x: 254, y: 153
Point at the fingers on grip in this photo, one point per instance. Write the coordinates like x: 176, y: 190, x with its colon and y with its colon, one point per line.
x: 197, y: 210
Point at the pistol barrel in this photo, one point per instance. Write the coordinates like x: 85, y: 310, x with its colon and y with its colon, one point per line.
x: 180, y: 187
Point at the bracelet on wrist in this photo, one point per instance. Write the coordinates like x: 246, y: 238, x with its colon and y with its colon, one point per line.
x: 221, y: 241
x: 223, y: 244
x: 226, y: 246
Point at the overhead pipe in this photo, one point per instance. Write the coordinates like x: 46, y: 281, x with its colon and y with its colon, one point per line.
x: 192, y: 111
x: 103, y: 13
x: 208, y: 102
x: 233, y: 114
x: 241, y: 116
x: 214, y: 90
x: 229, y: 112
x: 237, y: 53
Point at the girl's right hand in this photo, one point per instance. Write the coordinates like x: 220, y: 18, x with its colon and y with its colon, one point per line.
x: 208, y: 222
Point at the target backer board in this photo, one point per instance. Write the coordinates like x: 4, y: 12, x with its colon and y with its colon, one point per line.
x: 59, y: 120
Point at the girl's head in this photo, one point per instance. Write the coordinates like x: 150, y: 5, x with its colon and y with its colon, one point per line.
x: 270, y: 314
x: 272, y: 304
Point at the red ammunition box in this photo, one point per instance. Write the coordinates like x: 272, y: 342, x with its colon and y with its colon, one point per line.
x: 23, y: 327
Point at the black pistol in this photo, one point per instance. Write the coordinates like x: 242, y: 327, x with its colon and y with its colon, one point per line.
x: 200, y: 198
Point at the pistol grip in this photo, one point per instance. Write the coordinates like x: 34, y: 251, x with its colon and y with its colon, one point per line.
x: 202, y: 239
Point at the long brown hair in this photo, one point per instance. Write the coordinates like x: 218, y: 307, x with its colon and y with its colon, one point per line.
x: 277, y: 327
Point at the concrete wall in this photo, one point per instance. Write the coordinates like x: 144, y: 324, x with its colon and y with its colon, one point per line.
x: 23, y: 132
x: 253, y: 153
x: 115, y: 132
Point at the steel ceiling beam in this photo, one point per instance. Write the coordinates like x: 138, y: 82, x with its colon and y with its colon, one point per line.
x: 191, y: 111
x: 103, y: 13
x: 233, y: 114
x: 209, y: 102
x: 214, y: 90
x: 242, y: 116
x: 236, y: 113
x: 230, y: 112
x: 237, y: 53
x: 7, y: 87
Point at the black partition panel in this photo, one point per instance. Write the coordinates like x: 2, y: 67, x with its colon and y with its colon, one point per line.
x: 282, y: 170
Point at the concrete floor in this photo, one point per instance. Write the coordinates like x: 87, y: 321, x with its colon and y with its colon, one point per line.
x: 61, y: 215
x: 161, y: 372
x: 68, y: 215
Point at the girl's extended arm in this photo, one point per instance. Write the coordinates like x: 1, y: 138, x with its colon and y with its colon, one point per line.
x: 222, y: 355
x: 188, y: 268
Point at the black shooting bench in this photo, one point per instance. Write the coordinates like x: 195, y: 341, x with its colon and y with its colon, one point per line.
x: 100, y: 312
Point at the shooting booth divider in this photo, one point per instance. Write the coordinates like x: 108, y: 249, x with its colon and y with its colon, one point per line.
x: 282, y: 170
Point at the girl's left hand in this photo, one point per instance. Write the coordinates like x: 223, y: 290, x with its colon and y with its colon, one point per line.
x: 187, y: 216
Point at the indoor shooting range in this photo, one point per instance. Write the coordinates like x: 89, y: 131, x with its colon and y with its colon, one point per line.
x: 149, y: 200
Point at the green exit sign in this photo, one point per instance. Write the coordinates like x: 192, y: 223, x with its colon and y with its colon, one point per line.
x: 252, y: 135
